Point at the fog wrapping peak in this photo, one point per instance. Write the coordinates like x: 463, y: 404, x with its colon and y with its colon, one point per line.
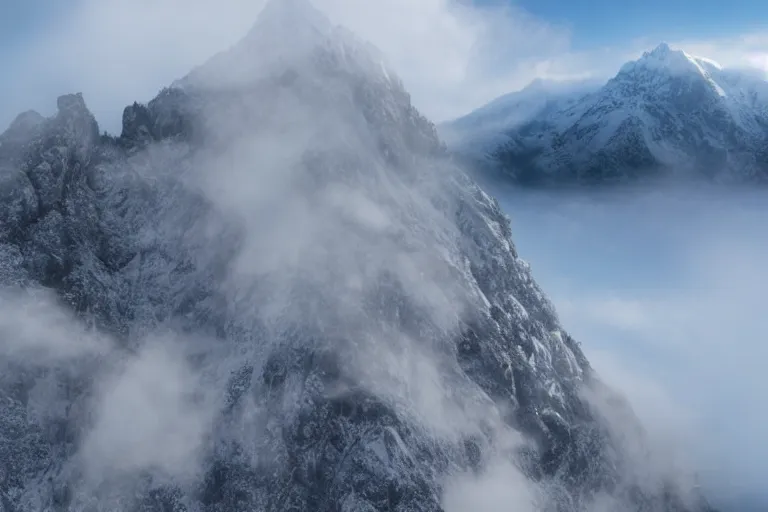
x: 274, y: 291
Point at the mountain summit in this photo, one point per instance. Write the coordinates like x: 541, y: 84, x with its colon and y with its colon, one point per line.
x: 275, y: 291
x: 667, y: 114
x: 663, y: 63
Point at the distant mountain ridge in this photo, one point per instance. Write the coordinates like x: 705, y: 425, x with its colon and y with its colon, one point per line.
x: 666, y: 115
x: 489, y: 126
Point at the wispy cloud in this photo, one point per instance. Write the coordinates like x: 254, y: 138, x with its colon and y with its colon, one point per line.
x: 118, y: 51
x: 453, y: 56
x: 744, y: 50
x: 149, y: 415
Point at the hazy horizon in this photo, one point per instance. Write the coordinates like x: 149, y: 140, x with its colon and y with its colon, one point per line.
x: 664, y: 287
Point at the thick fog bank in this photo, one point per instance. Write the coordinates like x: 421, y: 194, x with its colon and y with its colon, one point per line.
x: 666, y: 287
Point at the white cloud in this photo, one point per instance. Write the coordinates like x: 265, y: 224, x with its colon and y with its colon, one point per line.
x: 120, y: 51
x: 616, y: 312
x: 501, y: 487
x: 745, y: 50
x: 149, y: 415
x: 667, y: 293
x: 452, y: 56
x: 669, y: 422
x: 35, y: 328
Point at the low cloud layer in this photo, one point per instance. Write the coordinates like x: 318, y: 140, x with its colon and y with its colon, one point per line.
x: 666, y: 293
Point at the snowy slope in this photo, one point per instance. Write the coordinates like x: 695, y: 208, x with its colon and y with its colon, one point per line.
x: 668, y: 113
x: 274, y: 291
x: 487, y: 127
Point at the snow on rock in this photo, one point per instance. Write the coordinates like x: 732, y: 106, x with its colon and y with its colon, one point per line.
x: 666, y: 114
x: 309, y: 353
x: 482, y: 130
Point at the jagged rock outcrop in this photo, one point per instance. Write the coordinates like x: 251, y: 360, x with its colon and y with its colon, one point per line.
x: 275, y: 291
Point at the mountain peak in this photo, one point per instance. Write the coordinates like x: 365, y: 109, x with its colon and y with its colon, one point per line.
x: 288, y: 37
x: 285, y: 31
x: 663, y: 52
x: 663, y: 56
x: 665, y: 61
x: 25, y: 121
x: 288, y: 8
x: 71, y: 104
x: 662, y: 49
x: 665, y: 113
x: 293, y: 18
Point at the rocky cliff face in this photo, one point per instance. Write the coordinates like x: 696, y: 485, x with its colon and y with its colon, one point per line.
x: 274, y: 291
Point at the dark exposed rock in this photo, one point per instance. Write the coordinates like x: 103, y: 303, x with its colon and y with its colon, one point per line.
x: 19, y: 204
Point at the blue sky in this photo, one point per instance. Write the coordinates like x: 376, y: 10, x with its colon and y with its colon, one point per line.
x: 592, y: 22
x: 21, y: 21
x: 612, y: 22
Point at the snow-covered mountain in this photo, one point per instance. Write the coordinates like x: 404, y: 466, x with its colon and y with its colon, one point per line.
x: 489, y: 126
x: 275, y: 291
x: 666, y: 114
